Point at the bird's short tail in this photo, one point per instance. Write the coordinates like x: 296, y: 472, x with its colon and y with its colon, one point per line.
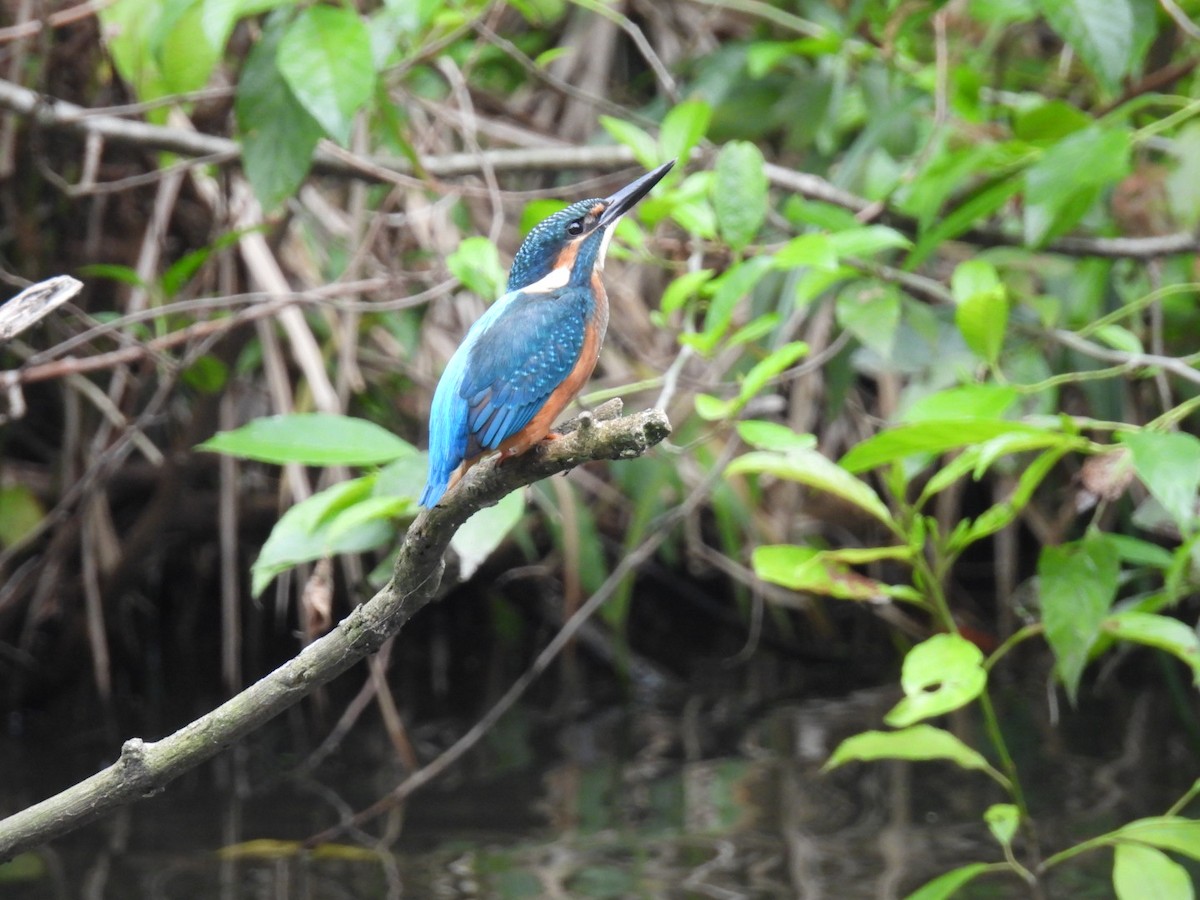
x: 436, y: 486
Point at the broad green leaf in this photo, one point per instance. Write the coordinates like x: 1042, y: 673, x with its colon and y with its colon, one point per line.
x: 313, y: 439
x: 1049, y: 122
x: 1141, y: 872
x: 1103, y: 34
x: 938, y: 676
x: 277, y: 134
x: 977, y: 206
x: 811, y: 468
x: 928, y: 437
x: 1137, y: 552
x: 776, y: 363
x: 218, y: 17
x: 485, y: 531
x: 302, y: 533
x: 476, y: 263
x: 683, y: 289
x: 372, y: 509
x: 1002, y: 820
x: 712, y: 409
x: 1119, y: 338
x: 809, y: 569
x: 185, y: 55
x: 728, y: 290
x: 946, y: 885
x: 968, y: 401
x: 756, y: 330
x: 1174, y: 833
x: 1062, y: 185
x: 644, y: 147
x: 1168, y: 463
x: 867, y: 240
x: 1078, y: 583
x: 130, y: 26
x: 773, y: 436
x: 871, y: 312
x: 1163, y: 632
x: 981, y: 307
x: 918, y: 742
x: 814, y: 250
x: 739, y: 193
x: 682, y: 129
x: 23, y: 867
x: 20, y: 513
x: 325, y: 58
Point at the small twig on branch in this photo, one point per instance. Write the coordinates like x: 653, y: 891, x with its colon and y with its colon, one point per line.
x: 35, y: 303
x: 146, y: 768
x: 59, y: 114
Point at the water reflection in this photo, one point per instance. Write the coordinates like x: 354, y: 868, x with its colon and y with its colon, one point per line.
x: 692, y: 802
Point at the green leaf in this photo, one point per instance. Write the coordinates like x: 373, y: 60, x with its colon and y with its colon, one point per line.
x: 485, y: 531
x: 683, y: 127
x: 728, y: 290
x: 1163, y: 632
x: 1142, y: 872
x: 939, y: 675
x: 1173, y: 833
x: 773, y: 436
x: 277, y: 134
x: 712, y: 409
x: 1183, y: 184
x: 811, y: 468
x: 325, y: 57
x: 1049, y: 122
x: 476, y: 263
x: 815, y: 250
x: 1078, y: 583
x: 870, y: 312
x: 809, y: 569
x: 929, y: 437
x: 313, y: 439
x: 683, y: 289
x: 20, y: 514
x: 947, y: 884
x: 302, y: 533
x: 644, y: 147
x: 185, y: 56
x: 1119, y: 338
x: 867, y: 240
x: 981, y: 307
x: 967, y: 401
x: 978, y: 205
x: 1002, y: 820
x: 1062, y: 185
x: 739, y: 193
x: 1103, y: 34
x: 776, y: 363
x: 919, y: 742
x: 1168, y: 463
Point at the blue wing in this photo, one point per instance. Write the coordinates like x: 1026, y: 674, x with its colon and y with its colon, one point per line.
x: 512, y: 359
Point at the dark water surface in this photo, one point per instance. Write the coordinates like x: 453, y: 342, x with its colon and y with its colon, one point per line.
x: 709, y: 797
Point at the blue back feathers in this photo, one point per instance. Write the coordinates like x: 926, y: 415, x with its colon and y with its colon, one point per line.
x: 516, y: 354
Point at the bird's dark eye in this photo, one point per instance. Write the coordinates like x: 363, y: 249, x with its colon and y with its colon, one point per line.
x: 575, y: 227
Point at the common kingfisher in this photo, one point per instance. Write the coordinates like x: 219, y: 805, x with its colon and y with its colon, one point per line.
x: 531, y: 353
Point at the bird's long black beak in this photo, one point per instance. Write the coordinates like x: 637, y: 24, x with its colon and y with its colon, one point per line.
x: 627, y: 197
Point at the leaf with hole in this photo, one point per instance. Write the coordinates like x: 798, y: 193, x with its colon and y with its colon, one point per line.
x: 939, y: 675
